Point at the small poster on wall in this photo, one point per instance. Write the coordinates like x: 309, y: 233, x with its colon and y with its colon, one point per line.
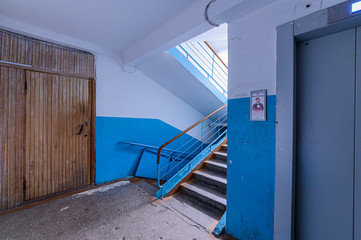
x: 258, y: 105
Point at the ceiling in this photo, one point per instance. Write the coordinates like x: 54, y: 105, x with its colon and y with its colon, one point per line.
x: 115, y: 24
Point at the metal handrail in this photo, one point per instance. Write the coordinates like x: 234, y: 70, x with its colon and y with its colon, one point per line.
x: 178, y: 136
x: 149, y: 146
x: 175, y: 158
x: 216, y: 54
x: 188, y: 55
x: 203, y: 57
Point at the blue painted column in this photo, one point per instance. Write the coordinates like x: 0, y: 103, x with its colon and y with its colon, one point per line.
x: 251, y: 171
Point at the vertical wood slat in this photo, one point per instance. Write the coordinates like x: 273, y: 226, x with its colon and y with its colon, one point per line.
x: 27, y: 137
x: 12, y: 82
x: 60, y: 157
x: 4, y: 71
x: 87, y: 142
x: 46, y: 56
x: 49, y: 128
x: 35, y: 156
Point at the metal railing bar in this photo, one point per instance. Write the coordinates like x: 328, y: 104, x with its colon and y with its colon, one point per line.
x: 183, y: 160
x: 207, y: 139
x: 163, y: 154
x: 202, y: 59
x: 178, y: 149
x: 214, y: 141
x: 190, y: 128
x: 216, y: 56
x: 177, y: 165
x: 210, y: 69
x: 148, y: 146
x: 219, y: 75
x: 215, y: 53
x: 206, y: 63
x: 197, y: 49
x: 187, y: 153
x: 189, y: 55
x: 213, y: 123
x: 204, y: 70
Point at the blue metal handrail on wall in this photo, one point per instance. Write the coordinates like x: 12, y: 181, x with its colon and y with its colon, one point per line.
x: 207, y: 62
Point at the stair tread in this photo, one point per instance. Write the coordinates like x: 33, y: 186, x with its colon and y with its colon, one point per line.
x: 218, y: 163
x: 212, y: 175
x: 206, y: 192
x: 221, y: 153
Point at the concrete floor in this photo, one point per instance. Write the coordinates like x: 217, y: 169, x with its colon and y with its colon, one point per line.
x: 118, y: 211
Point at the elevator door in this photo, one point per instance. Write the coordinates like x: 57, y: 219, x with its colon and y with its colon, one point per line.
x: 325, y: 161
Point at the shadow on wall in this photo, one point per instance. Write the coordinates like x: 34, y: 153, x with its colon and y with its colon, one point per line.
x: 114, y: 159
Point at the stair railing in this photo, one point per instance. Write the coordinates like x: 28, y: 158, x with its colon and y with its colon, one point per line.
x: 208, y: 62
x: 207, y: 132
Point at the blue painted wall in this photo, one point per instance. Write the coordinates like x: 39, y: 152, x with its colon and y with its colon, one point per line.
x: 251, y: 176
x: 114, y: 160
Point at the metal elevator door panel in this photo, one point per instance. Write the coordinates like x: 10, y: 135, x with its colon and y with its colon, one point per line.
x: 357, y: 197
x: 325, y: 137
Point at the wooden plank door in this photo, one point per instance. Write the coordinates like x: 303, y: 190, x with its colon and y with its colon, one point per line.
x: 58, y: 119
x: 12, y: 120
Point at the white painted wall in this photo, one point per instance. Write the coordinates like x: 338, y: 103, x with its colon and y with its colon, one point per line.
x: 119, y: 93
x: 134, y: 95
x: 252, y: 44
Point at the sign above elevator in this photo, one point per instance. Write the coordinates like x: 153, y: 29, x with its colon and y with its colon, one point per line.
x: 344, y: 11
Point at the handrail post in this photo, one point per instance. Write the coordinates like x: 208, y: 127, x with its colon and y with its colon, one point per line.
x: 212, y: 65
x: 181, y: 134
x: 219, y: 121
x: 202, y: 137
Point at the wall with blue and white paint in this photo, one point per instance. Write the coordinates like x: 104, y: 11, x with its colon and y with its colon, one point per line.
x: 131, y: 107
x: 251, y: 152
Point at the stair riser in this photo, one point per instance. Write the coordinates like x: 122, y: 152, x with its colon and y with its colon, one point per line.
x: 217, y: 169
x: 221, y: 157
x: 207, y: 201
x: 224, y: 148
x: 222, y: 187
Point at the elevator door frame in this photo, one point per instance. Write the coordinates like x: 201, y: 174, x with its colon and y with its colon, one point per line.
x: 288, y: 35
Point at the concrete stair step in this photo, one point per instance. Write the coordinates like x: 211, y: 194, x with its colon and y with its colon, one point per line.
x: 213, y: 179
x: 218, y: 166
x: 224, y: 147
x: 221, y: 155
x: 209, y: 196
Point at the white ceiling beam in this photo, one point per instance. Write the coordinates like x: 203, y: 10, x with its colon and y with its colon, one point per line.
x: 189, y: 23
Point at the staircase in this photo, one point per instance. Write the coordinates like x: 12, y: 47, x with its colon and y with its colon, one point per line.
x: 208, y: 184
x: 198, y: 188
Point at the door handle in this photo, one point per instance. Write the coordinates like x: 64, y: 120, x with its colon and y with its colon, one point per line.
x: 81, y: 129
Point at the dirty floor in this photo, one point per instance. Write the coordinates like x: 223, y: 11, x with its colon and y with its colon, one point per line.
x: 121, y: 210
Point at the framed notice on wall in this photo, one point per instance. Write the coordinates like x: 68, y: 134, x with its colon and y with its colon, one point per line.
x: 259, y: 105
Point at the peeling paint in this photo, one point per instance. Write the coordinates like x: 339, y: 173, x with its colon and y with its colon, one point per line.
x: 102, y: 189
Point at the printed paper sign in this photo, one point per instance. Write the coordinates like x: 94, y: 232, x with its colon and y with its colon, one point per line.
x: 258, y: 105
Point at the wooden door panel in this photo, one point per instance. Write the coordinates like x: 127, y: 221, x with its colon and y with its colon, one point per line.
x: 12, y: 116
x: 57, y: 158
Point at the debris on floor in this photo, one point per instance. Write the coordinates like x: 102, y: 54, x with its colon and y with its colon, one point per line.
x: 123, y: 210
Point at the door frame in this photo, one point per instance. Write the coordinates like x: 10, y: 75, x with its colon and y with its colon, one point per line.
x: 91, y: 177
x: 318, y: 24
